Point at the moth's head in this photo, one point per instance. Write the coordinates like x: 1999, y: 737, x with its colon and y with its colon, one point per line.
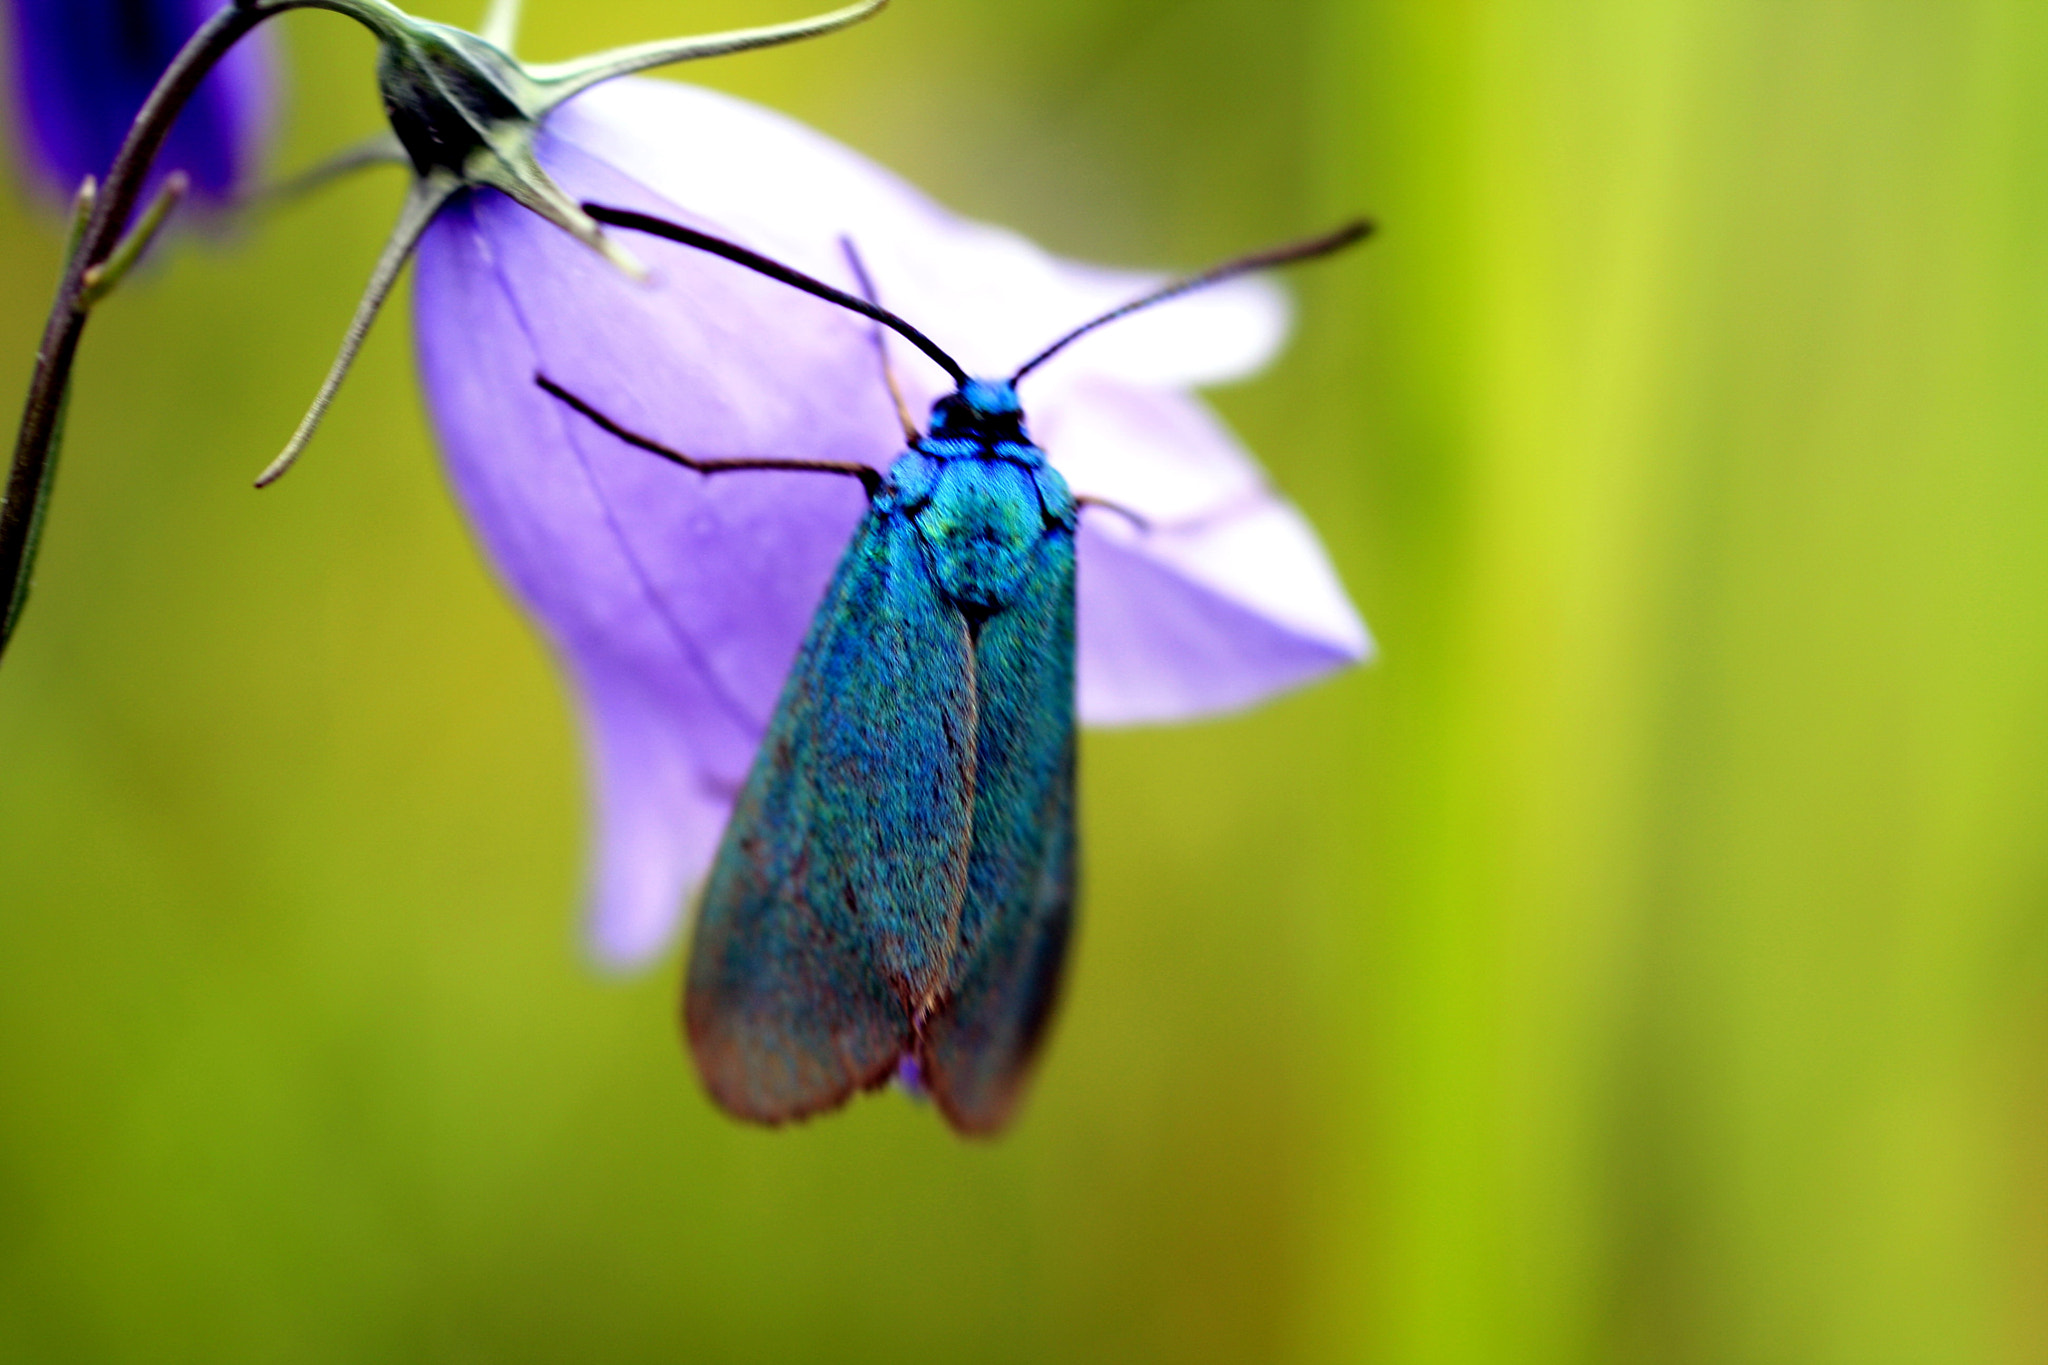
x: 982, y: 410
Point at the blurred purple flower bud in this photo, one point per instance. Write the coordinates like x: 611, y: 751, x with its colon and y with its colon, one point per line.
x: 676, y: 602
x: 82, y: 69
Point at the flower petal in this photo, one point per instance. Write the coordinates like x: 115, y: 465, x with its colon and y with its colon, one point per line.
x: 658, y: 818
x: 1160, y: 643
x: 986, y: 294
x: 1221, y: 597
x: 678, y: 600
x: 667, y: 593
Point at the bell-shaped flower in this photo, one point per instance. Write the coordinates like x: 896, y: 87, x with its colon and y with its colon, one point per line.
x: 676, y: 602
x: 83, y: 67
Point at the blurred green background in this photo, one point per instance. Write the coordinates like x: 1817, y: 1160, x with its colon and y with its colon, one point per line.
x: 1644, y: 962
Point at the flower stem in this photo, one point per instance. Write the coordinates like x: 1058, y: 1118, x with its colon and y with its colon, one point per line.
x: 42, y: 419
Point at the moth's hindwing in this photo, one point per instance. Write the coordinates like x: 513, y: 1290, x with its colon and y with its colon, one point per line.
x: 832, y: 909
x: 1018, y: 915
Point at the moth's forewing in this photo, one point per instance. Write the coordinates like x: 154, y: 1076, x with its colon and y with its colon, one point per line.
x: 831, y: 912
x: 1018, y: 914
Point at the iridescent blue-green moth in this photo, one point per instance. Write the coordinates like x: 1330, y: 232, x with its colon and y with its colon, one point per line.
x: 894, y: 893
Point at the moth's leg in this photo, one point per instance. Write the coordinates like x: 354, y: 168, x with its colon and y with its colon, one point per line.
x: 870, y: 478
x: 1182, y: 526
x: 867, y: 290
x: 1136, y: 519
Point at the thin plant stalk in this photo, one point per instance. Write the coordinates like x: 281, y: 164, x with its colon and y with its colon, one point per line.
x: 82, y: 285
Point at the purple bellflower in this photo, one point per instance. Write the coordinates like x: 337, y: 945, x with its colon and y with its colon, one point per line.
x: 676, y: 602
x: 83, y: 67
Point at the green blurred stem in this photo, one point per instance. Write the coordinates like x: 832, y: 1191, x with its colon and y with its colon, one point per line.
x: 381, y: 150
x: 101, y: 279
x: 501, y: 24
x: 100, y: 246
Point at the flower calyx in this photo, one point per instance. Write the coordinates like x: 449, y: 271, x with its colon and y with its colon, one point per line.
x: 465, y: 114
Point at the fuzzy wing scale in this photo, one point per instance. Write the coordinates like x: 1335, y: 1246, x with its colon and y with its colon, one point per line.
x: 832, y: 910
x: 1018, y: 914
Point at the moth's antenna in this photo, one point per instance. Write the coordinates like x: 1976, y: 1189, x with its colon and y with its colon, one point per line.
x: 776, y: 270
x: 867, y: 289
x: 1352, y: 232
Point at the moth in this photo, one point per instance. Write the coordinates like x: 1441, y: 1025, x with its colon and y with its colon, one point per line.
x: 894, y: 892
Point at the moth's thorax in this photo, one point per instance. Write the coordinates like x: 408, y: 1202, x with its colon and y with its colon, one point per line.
x: 980, y: 494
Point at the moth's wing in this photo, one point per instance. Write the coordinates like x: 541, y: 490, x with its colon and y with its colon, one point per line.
x: 832, y: 910
x: 1020, y: 877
